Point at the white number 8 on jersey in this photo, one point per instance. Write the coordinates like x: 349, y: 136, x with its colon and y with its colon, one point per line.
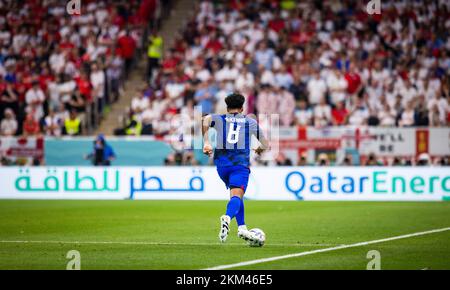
x: 233, y: 134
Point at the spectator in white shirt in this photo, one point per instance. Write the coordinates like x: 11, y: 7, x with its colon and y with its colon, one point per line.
x: 140, y: 103
x: 286, y: 106
x: 408, y: 92
x: 267, y: 77
x: 303, y: 115
x: 98, y: 81
x: 65, y: 88
x: 8, y: 126
x: 57, y: 60
x: 359, y: 114
x: 386, y: 116
x: 264, y: 56
x: 35, y: 99
x: 283, y: 78
x: 337, y: 85
x: 228, y: 73
x: 53, y: 124
x: 316, y: 88
x: 407, y: 116
x: 442, y: 107
x: 322, y: 114
x: 245, y: 80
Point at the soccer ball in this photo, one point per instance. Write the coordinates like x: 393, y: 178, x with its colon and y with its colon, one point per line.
x: 261, y: 238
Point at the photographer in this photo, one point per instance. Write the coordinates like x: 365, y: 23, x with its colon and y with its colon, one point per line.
x: 102, y: 154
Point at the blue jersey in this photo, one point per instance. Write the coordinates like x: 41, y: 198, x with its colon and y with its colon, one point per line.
x: 234, y: 132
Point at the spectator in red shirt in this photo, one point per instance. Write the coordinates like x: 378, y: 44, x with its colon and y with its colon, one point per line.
x: 214, y: 43
x: 170, y: 63
x: 353, y: 80
x: 339, y: 114
x: 277, y: 24
x: 30, y: 126
x: 127, y: 47
x: 84, y: 86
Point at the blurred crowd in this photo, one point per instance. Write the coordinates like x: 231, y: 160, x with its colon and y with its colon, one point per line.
x: 313, y: 62
x: 324, y: 159
x: 59, y: 71
x: 316, y: 63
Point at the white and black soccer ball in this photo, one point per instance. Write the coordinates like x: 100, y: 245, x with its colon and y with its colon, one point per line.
x: 261, y: 238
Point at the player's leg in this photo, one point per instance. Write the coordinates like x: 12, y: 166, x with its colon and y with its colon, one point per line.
x: 224, y: 173
x: 238, y: 184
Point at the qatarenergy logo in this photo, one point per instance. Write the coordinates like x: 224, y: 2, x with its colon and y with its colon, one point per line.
x: 375, y: 182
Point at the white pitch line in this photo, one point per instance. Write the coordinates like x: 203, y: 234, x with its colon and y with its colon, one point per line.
x: 152, y: 243
x: 265, y: 260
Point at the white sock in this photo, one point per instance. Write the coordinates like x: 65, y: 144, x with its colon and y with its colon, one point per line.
x: 242, y: 228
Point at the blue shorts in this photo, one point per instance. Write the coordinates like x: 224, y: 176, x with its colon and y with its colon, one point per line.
x: 234, y: 176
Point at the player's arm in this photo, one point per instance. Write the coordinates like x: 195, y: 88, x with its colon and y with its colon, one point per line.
x: 263, y: 142
x: 206, y: 124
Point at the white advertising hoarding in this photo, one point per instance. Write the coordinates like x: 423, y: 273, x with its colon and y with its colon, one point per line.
x: 203, y: 183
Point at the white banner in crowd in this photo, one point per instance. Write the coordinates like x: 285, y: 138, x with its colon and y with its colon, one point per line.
x: 203, y: 183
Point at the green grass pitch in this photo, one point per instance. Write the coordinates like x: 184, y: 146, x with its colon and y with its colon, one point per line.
x: 183, y: 234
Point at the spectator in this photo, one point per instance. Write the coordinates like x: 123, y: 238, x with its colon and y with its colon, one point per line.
x: 76, y: 102
x: 72, y: 124
x: 386, y: 116
x: 205, y: 98
x: 133, y: 126
x: 35, y: 101
x: 407, y: 116
x: 8, y: 126
x: 114, y: 74
x: 317, y: 88
x: 354, y: 82
x: 303, y: 114
x: 421, y: 117
x: 102, y: 153
x: 154, y: 53
x: 245, y: 80
x: 397, y: 162
x: 423, y: 160
x: 140, y: 103
x: 372, y: 161
x: 322, y: 114
x: 286, y: 106
x: 127, y: 47
x: 303, y: 160
x: 359, y: 115
x: 339, y: 114
x: 283, y: 78
x: 264, y: 56
x: 53, y: 124
x: 439, y: 106
x: 42, y: 63
x: 323, y: 160
x: 435, y: 116
x: 373, y: 119
x: 282, y: 160
x: 337, y: 86
x: 98, y: 81
x: 30, y: 126
x: 347, y: 161
x: 8, y: 99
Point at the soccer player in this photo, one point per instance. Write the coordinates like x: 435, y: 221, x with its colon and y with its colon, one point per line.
x: 231, y: 156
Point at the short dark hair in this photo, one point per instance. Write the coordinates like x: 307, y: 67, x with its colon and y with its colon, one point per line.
x: 235, y: 101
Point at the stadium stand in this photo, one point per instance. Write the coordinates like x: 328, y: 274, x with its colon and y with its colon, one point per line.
x: 315, y: 63
x: 54, y: 64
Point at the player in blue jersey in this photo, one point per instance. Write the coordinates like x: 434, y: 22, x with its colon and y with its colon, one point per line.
x: 232, y: 158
